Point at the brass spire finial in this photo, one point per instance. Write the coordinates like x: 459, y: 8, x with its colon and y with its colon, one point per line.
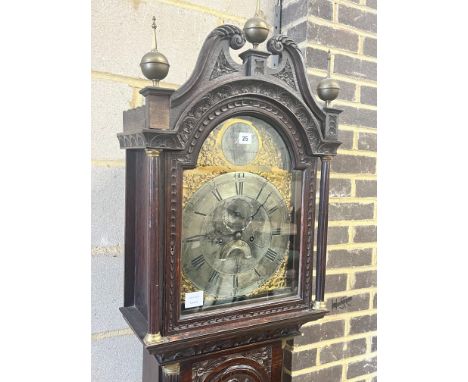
x: 154, y: 64
x: 154, y: 26
x: 328, y: 89
x: 257, y: 11
x: 256, y: 29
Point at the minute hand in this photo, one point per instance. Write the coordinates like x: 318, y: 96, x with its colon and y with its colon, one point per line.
x: 260, y: 206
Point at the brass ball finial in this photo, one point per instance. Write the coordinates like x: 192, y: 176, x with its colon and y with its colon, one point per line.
x: 154, y: 64
x: 256, y: 29
x: 328, y: 88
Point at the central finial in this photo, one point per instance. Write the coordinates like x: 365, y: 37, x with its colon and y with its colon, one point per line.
x: 154, y: 64
x: 257, y: 11
x: 256, y: 29
x: 154, y: 26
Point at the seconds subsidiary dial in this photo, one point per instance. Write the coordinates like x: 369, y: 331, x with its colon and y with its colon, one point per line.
x: 235, y: 234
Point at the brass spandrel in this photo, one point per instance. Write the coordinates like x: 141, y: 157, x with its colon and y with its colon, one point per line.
x: 186, y: 287
x: 277, y: 281
x: 212, y: 162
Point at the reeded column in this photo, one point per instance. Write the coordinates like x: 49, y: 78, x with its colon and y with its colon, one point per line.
x: 153, y: 244
x: 322, y: 234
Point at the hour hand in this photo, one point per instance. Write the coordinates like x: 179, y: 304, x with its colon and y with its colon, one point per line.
x: 194, y: 238
x: 212, y: 235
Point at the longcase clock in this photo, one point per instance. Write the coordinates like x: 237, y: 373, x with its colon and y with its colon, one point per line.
x: 221, y: 183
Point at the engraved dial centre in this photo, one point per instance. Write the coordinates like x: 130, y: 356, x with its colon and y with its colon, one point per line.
x: 230, y: 243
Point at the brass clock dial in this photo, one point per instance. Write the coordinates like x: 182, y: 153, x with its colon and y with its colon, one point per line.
x: 234, y: 234
x: 241, y: 205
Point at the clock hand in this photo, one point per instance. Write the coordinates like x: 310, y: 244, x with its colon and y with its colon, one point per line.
x: 260, y: 206
x: 194, y: 238
x: 208, y: 235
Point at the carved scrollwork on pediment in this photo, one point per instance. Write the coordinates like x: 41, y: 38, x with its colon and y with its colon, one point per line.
x: 289, y: 51
x: 217, y: 78
x: 215, y: 65
x: 222, y: 67
x: 213, y: 60
x: 277, y: 44
x: 231, y: 32
x: 286, y: 74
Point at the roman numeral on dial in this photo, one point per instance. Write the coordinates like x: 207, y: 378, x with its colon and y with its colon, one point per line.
x: 257, y: 273
x: 266, y: 199
x: 214, y: 277
x: 239, y: 188
x: 270, y: 254
x: 217, y: 195
x: 235, y: 281
x: 272, y: 210
x: 259, y: 192
x: 198, y: 262
x: 276, y: 231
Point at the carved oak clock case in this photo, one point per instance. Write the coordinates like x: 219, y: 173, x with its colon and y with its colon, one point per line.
x: 220, y: 213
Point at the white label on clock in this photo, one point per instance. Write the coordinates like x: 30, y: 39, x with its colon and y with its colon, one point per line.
x: 245, y: 138
x: 193, y: 299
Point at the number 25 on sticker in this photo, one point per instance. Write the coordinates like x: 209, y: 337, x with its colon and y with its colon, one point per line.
x: 245, y: 138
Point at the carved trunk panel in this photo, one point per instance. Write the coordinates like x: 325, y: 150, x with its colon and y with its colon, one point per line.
x: 236, y: 376
x: 249, y: 366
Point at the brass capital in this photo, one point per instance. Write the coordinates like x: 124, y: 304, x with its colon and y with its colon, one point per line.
x: 152, y: 153
x: 319, y: 305
x: 173, y: 368
x: 152, y: 338
x: 283, y: 343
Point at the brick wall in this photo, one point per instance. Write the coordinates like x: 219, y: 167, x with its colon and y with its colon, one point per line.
x: 343, y: 349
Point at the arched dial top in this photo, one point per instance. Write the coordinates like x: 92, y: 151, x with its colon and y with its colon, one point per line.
x: 241, y: 205
x: 235, y: 234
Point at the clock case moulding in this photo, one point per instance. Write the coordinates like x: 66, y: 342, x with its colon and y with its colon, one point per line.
x: 162, y: 138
